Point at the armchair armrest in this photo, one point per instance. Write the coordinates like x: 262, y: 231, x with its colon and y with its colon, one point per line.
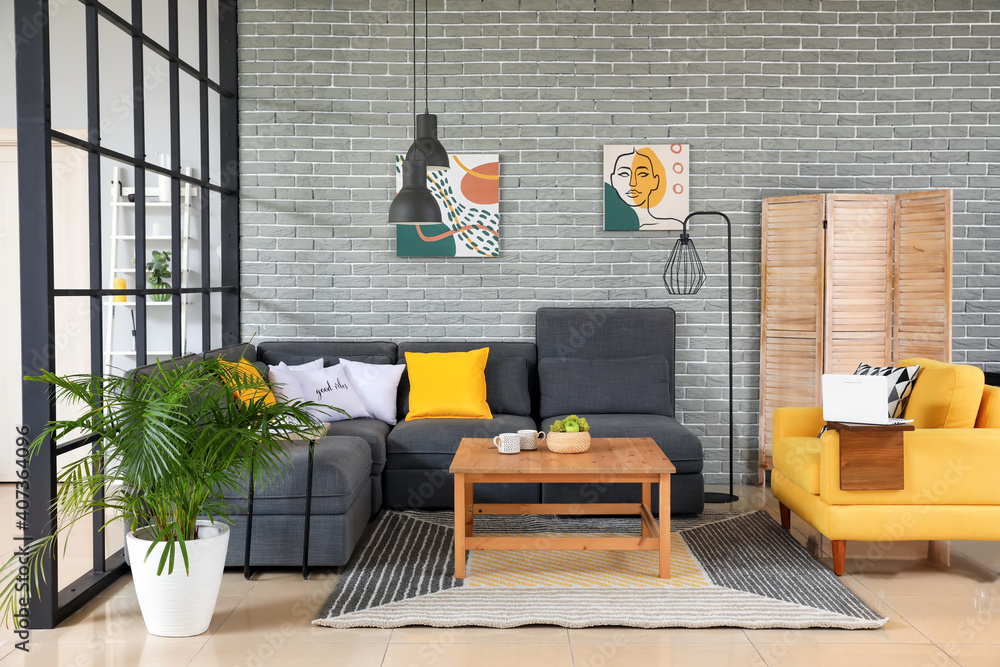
x: 989, y: 408
x: 796, y: 423
x: 941, y: 466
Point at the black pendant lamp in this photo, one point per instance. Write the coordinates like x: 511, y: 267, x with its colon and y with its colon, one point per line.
x: 414, y: 204
x: 426, y: 123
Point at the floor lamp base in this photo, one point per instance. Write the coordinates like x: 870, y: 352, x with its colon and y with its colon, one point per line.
x: 714, y: 497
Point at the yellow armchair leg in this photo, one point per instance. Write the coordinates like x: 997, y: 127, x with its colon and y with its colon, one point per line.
x: 786, y: 516
x: 839, y: 556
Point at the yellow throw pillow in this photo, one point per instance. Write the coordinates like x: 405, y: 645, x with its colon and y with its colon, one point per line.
x: 246, y: 372
x: 450, y: 385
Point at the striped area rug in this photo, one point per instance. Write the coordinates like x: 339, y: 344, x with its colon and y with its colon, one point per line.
x: 728, y: 570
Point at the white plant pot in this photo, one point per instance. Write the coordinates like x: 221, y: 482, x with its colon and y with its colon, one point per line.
x: 179, y: 604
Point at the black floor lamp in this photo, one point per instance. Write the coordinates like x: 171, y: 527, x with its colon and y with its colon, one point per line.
x: 684, y: 274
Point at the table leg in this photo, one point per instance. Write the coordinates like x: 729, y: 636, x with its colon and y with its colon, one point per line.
x: 647, y: 502
x: 468, y: 509
x: 664, y: 521
x: 460, y: 518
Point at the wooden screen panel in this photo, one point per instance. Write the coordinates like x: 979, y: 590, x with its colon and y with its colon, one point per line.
x: 791, y: 354
x: 922, y: 319
x: 859, y: 246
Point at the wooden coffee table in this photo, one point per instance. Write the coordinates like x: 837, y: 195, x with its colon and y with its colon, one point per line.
x: 608, y: 461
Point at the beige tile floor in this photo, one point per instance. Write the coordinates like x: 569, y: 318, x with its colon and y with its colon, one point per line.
x: 942, y: 611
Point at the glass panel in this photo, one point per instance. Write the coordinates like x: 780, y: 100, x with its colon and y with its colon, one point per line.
x: 215, y: 226
x: 187, y: 28
x: 117, y: 130
x: 72, y: 357
x: 190, y: 122
x: 70, y: 218
x: 154, y: 21
x: 192, y: 324
x: 156, y: 81
x: 213, y: 40
x: 214, y: 159
x: 121, y: 7
x: 68, y: 66
x: 216, y: 320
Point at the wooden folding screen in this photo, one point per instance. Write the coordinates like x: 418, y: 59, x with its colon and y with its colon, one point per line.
x: 847, y: 279
x: 922, y: 319
x: 791, y: 338
x: 858, y: 316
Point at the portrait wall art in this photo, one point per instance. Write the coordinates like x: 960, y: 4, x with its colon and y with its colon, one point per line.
x: 469, y: 196
x: 645, y: 187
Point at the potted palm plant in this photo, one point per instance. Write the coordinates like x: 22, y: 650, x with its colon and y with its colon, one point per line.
x: 170, y: 443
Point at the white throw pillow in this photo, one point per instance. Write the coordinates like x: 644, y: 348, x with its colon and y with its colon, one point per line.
x: 283, y: 383
x: 376, y: 386
x: 330, y: 386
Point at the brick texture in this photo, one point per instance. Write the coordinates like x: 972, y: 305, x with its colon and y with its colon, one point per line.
x: 775, y: 97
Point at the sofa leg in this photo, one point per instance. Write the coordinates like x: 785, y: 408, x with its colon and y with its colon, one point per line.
x: 839, y: 556
x: 786, y: 516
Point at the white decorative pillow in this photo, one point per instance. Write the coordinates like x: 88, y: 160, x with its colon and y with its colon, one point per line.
x: 330, y: 386
x: 283, y: 383
x: 376, y: 386
x: 900, y: 384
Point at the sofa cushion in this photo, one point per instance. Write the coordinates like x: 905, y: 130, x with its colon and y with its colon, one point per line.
x: 341, y: 473
x: 508, y: 378
x: 372, y: 431
x: 901, y: 382
x: 246, y: 381
x: 441, y: 436
x: 233, y: 352
x: 331, y: 351
x: 606, y: 333
x: 680, y: 445
x: 944, y: 395
x: 503, y: 394
x: 630, y: 385
x: 450, y: 385
x: 798, y: 459
x: 376, y: 385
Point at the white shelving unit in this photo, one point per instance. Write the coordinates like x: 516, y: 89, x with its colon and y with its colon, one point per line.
x: 122, y: 256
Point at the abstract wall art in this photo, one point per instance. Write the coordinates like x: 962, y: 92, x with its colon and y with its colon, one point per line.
x: 645, y: 187
x: 469, y: 196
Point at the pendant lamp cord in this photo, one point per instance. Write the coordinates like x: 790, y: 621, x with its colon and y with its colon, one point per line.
x: 415, y: 69
x: 426, y: 110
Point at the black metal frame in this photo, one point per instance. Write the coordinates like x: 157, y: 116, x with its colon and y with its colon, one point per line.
x: 49, y: 605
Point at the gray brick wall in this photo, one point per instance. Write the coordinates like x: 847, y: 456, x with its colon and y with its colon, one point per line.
x: 775, y: 97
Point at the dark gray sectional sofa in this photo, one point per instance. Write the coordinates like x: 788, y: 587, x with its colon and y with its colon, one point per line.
x: 614, y: 366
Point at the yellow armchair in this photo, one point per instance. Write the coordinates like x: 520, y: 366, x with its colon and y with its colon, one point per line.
x: 951, y: 467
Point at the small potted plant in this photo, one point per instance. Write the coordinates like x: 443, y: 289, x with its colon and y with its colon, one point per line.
x: 569, y: 436
x: 159, y: 269
x: 170, y: 444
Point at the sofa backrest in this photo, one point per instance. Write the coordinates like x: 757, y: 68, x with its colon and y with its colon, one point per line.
x: 511, y: 374
x: 331, y: 351
x: 575, y: 344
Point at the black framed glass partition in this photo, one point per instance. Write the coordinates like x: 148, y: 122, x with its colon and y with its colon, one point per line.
x: 158, y: 164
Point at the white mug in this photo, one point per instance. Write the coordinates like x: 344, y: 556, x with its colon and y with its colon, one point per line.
x: 508, y: 443
x: 529, y: 439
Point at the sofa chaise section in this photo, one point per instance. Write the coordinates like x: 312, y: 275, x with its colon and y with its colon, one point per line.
x: 616, y: 367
